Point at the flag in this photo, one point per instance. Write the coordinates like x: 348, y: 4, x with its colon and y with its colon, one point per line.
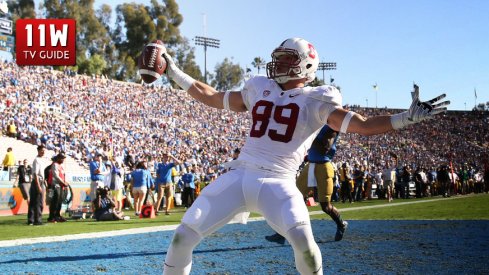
x: 375, y: 86
x: 475, y: 93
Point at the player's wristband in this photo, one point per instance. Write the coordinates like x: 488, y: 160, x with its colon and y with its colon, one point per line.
x: 400, y: 120
x: 182, y: 79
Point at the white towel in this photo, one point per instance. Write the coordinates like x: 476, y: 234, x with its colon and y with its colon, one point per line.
x: 311, y: 179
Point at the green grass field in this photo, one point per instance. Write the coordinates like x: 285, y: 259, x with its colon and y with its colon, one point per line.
x: 472, y: 207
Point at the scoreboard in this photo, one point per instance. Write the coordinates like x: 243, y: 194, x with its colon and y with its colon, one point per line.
x: 7, y: 43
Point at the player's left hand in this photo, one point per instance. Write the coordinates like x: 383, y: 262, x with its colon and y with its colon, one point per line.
x: 420, y: 111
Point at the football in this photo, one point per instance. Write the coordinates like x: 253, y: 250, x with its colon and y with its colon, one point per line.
x: 151, y: 63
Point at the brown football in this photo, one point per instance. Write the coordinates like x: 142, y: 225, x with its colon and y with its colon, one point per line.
x: 151, y: 62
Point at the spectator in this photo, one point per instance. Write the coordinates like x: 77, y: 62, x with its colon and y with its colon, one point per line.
x: 117, y: 183
x: 11, y: 130
x: 24, y: 173
x: 164, y: 180
x: 37, y: 190
x: 418, y: 182
x: 188, y: 182
x: 8, y: 160
x: 444, y: 180
x: 358, y: 178
x: 59, y: 185
x: 141, y: 182
x: 104, y: 206
x: 98, y: 171
x: 389, y: 178
x: 345, y: 178
x: 108, y: 177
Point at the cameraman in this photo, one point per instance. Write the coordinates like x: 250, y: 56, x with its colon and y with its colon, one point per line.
x: 104, y: 206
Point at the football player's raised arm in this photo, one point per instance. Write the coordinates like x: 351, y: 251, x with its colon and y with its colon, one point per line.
x: 344, y: 121
x: 202, y: 92
x: 348, y: 121
x: 221, y: 100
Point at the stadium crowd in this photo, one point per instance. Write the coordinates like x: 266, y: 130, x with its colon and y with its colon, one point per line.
x: 87, y: 115
x: 83, y: 116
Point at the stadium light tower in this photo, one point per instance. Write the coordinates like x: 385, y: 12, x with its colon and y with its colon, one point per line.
x: 326, y: 66
x: 206, y: 42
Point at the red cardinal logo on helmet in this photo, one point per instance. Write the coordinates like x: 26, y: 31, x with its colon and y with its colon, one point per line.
x: 312, y: 53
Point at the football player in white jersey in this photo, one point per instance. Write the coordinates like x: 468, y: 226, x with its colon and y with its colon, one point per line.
x: 286, y: 117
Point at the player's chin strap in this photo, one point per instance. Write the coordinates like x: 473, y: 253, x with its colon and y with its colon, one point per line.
x: 182, y: 79
x: 419, y: 111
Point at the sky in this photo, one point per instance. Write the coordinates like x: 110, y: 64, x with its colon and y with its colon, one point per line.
x: 441, y: 45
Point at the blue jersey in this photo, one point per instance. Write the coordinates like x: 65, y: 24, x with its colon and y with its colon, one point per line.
x: 94, y: 166
x: 163, y: 173
x: 141, y: 178
x: 188, y: 180
x: 323, y: 147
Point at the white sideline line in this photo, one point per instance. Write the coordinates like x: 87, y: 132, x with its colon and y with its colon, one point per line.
x: 87, y: 235
x: 390, y: 204
x: 172, y: 227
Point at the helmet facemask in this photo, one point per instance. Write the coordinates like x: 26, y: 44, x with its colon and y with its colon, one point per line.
x: 284, y: 65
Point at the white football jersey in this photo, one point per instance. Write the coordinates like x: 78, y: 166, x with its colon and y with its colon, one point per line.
x: 284, y: 123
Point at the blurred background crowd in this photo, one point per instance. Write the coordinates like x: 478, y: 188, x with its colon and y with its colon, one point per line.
x: 88, y: 115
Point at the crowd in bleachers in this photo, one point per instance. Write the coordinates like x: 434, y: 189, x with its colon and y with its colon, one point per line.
x: 84, y: 115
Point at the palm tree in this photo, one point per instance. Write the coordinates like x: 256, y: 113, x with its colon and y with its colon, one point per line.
x: 258, y: 63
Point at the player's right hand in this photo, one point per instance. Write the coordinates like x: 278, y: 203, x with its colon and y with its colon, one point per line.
x: 171, y: 68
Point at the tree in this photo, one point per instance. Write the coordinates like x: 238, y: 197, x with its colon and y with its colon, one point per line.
x: 20, y: 9
x: 481, y: 107
x: 138, y: 25
x: 95, y: 65
x: 185, y: 58
x: 227, y: 75
x: 258, y: 63
x: 91, y: 35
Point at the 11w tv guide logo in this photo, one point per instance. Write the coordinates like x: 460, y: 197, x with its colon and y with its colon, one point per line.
x: 46, y: 42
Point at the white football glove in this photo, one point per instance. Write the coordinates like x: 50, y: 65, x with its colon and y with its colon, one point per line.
x: 182, y: 79
x: 419, y: 111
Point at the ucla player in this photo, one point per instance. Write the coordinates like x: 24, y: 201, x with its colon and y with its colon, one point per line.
x: 286, y: 116
x: 319, y: 172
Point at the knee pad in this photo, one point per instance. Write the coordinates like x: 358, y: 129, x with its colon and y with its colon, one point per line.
x: 307, y: 255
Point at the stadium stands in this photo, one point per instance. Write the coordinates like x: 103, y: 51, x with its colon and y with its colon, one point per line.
x: 81, y: 114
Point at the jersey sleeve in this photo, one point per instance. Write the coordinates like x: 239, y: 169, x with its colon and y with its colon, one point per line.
x: 249, y: 92
x: 329, y: 99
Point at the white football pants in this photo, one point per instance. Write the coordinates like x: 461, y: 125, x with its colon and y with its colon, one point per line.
x: 246, y: 189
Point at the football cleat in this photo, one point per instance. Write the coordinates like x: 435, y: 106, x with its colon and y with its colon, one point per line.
x: 276, y: 238
x: 340, y: 230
